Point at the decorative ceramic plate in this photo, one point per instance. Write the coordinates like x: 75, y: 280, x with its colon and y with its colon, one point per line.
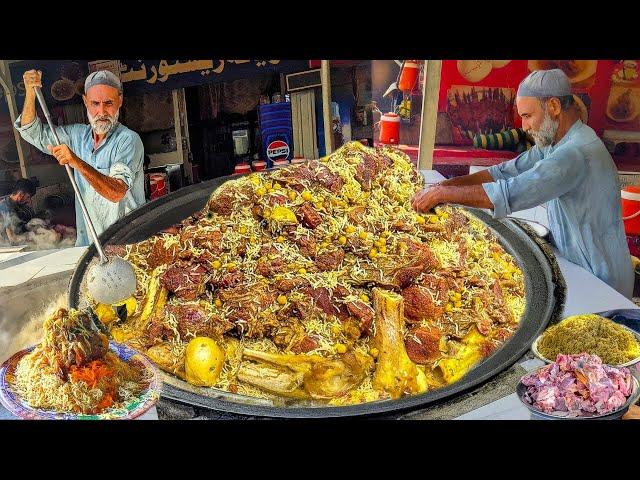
x: 133, y: 409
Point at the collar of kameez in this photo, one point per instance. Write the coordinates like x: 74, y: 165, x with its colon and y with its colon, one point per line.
x: 576, y: 125
x: 109, y: 133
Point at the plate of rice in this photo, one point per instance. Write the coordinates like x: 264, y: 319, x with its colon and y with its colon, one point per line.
x: 617, y: 345
x: 76, y: 373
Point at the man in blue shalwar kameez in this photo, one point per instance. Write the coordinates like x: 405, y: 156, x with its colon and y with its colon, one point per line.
x: 106, y: 157
x: 569, y: 169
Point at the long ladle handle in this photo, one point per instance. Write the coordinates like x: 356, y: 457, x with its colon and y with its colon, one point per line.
x: 85, y: 212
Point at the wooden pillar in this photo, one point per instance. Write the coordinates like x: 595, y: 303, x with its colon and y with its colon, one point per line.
x: 430, y: 96
x: 325, y: 78
x: 7, y: 85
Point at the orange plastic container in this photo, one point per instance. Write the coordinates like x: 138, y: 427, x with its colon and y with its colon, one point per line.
x: 631, y: 209
x: 408, y: 76
x: 158, y: 184
x: 242, y: 168
x: 390, y: 129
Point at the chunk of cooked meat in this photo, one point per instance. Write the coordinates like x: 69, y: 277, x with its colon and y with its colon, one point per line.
x: 159, y: 254
x: 226, y: 278
x: 248, y: 309
x: 271, y: 265
x: 195, y: 236
x: 289, y: 331
x: 222, y: 201
x: 356, y: 215
x: 305, y: 345
x: 275, y: 199
x: 193, y: 321
x: 405, y: 276
x: 419, y: 305
x: 498, y: 310
x: 226, y: 199
x: 364, y: 313
x: 423, y: 344
x: 401, y: 226
x: 157, y: 331
x: 330, y: 260
x: 73, y: 339
x: 403, y: 270
x: 204, y: 258
x: 366, y: 171
x: 437, y: 285
x: 308, y: 216
x: 286, y: 285
x: 384, y: 160
x: 322, y: 300
x: 314, y: 170
x: 306, y: 245
x: 185, y: 280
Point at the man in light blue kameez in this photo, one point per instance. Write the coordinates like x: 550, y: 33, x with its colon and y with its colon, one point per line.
x: 107, y: 157
x: 569, y: 169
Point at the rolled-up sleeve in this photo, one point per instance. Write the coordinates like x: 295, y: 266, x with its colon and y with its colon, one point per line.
x: 129, y: 162
x: 550, y: 178
x: 520, y: 164
x: 40, y: 135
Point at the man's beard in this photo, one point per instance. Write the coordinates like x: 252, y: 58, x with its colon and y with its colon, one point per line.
x: 101, y: 124
x: 546, y: 134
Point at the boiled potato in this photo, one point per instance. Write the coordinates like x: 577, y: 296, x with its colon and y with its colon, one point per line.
x: 284, y: 215
x: 203, y: 361
x: 105, y: 313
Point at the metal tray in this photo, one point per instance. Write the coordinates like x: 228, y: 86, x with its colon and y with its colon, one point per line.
x: 544, y: 286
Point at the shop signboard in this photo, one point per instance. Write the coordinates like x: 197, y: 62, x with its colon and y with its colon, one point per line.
x: 63, y: 80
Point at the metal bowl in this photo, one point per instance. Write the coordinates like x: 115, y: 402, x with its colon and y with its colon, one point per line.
x: 615, y: 415
x: 536, y: 352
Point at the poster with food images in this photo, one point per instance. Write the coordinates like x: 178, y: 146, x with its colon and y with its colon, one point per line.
x: 581, y: 73
x: 480, y: 110
x: 475, y: 71
x: 623, y: 103
x: 476, y: 97
x: 499, y: 79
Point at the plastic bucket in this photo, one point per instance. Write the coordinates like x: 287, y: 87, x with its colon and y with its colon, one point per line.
x: 390, y: 129
x: 630, y: 197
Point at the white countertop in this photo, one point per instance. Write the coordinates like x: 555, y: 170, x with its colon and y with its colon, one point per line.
x: 20, y: 267
x: 585, y: 294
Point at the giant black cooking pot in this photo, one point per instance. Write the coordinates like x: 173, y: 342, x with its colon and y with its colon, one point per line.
x: 545, y: 292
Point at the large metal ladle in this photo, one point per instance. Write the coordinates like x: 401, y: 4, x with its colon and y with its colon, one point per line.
x: 110, y: 280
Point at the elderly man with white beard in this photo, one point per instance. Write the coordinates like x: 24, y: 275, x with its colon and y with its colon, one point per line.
x: 569, y: 169
x: 107, y: 157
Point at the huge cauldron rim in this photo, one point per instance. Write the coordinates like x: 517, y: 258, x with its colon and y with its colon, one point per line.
x: 499, y: 361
